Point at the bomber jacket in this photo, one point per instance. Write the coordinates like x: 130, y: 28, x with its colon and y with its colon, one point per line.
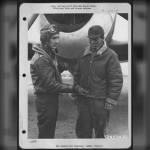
x: 45, y: 74
x: 101, y: 75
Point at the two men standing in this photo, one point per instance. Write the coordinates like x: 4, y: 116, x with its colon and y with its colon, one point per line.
x: 98, y: 82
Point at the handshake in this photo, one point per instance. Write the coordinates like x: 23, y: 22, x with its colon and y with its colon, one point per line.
x: 79, y: 90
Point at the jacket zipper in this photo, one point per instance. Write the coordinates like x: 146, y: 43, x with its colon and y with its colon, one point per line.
x: 90, y: 66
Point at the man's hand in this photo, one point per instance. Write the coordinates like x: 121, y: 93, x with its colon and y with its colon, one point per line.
x: 80, y: 90
x: 110, y: 103
x: 108, y: 106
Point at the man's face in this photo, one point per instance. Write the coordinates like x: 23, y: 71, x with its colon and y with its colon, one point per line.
x: 96, y: 43
x: 54, y: 40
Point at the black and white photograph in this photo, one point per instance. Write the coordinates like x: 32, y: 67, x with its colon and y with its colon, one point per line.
x: 75, y: 75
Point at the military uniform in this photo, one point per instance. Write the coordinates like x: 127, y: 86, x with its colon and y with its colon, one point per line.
x: 100, y: 74
x: 47, y: 84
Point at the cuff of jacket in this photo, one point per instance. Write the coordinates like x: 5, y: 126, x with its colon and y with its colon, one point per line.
x: 111, y: 101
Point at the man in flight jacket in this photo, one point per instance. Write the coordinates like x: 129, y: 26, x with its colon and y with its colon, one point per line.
x: 47, y: 82
x: 99, y: 72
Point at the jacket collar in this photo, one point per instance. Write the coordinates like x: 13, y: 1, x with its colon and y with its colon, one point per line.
x: 41, y: 51
x: 99, y: 52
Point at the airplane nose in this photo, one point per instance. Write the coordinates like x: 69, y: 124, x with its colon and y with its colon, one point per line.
x: 69, y: 22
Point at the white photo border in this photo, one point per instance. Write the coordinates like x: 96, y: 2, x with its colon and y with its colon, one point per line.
x: 27, y: 9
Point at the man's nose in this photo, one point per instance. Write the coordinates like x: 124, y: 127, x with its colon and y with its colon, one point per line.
x: 93, y: 41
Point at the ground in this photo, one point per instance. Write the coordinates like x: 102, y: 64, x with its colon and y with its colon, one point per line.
x: 65, y: 128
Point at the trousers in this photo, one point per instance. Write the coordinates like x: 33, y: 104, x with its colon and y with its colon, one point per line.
x: 47, y: 112
x: 91, y: 116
